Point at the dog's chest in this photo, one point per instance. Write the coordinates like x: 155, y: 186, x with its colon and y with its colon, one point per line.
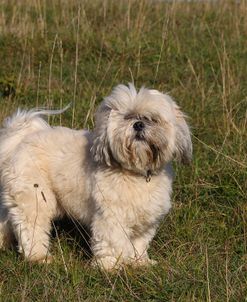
x: 145, y: 204
x: 133, y: 200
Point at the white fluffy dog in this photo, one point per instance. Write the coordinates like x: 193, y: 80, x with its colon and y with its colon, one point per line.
x: 116, y: 179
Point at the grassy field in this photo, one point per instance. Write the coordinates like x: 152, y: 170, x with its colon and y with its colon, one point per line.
x: 55, y: 52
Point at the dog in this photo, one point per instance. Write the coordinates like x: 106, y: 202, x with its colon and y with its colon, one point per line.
x: 116, y: 179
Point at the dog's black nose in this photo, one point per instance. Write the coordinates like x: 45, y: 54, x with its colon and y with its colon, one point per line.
x: 139, y: 126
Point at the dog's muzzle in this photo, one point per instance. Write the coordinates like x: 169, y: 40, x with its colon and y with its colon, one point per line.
x: 139, y: 126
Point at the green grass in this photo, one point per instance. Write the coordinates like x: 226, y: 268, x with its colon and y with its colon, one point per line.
x: 56, y: 52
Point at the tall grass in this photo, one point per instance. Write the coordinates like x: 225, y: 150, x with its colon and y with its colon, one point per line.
x: 55, y: 52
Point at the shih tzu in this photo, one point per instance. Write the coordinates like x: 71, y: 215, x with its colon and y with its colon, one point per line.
x: 116, y: 179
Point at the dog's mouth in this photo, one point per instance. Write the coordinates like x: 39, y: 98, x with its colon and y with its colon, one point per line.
x: 154, y: 149
x: 140, y: 136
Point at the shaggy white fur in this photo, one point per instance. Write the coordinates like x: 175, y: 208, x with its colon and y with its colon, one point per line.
x: 116, y: 179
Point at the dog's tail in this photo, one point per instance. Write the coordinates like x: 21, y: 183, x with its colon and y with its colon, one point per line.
x: 20, y: 124
x: 31, y: 119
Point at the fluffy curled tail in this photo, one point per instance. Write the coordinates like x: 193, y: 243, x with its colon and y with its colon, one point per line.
x: 20, y: 124
x: 29, y: 118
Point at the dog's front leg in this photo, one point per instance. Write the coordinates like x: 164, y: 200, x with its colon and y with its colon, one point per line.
x: 141, y: 244
x: 111, y: 242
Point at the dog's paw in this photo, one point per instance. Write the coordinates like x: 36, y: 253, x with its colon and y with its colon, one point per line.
x: 42, y: 260
x: 145, y: 262
x: 107, y: 263
x: 49, y: 259
x: 150, y: 262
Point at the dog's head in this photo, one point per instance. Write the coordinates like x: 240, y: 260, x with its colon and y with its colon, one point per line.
x: 140, y: 131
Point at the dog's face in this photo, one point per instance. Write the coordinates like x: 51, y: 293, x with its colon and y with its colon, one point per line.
x: 141, y: 131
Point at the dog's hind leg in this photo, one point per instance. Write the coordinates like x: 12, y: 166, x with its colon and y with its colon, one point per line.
x: 6, y: 233
x: 31, y: 215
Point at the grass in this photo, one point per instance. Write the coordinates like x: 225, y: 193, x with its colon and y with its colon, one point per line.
x: 56, y: 52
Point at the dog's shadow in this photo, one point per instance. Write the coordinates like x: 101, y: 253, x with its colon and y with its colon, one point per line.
x: 72, y: 233
x: 76, y: 235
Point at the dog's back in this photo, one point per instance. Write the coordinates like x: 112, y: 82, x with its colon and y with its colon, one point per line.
x: 19, y: 125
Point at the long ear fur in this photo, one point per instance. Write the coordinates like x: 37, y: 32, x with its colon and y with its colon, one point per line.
x: 100, y: 148
x: 183, y: 139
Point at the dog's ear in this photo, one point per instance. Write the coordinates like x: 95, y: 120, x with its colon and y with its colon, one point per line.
x: 100, y: 148
x: 183, y: 142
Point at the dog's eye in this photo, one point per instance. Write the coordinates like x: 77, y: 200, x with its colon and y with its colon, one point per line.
x: 129, y: 116
x: 146, y: 119
x: 150, y: 119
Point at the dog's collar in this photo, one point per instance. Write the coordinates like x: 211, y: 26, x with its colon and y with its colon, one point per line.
x: 148, y: 175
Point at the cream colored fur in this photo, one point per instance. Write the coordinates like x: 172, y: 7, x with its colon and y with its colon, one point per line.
x: 117, y: 180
